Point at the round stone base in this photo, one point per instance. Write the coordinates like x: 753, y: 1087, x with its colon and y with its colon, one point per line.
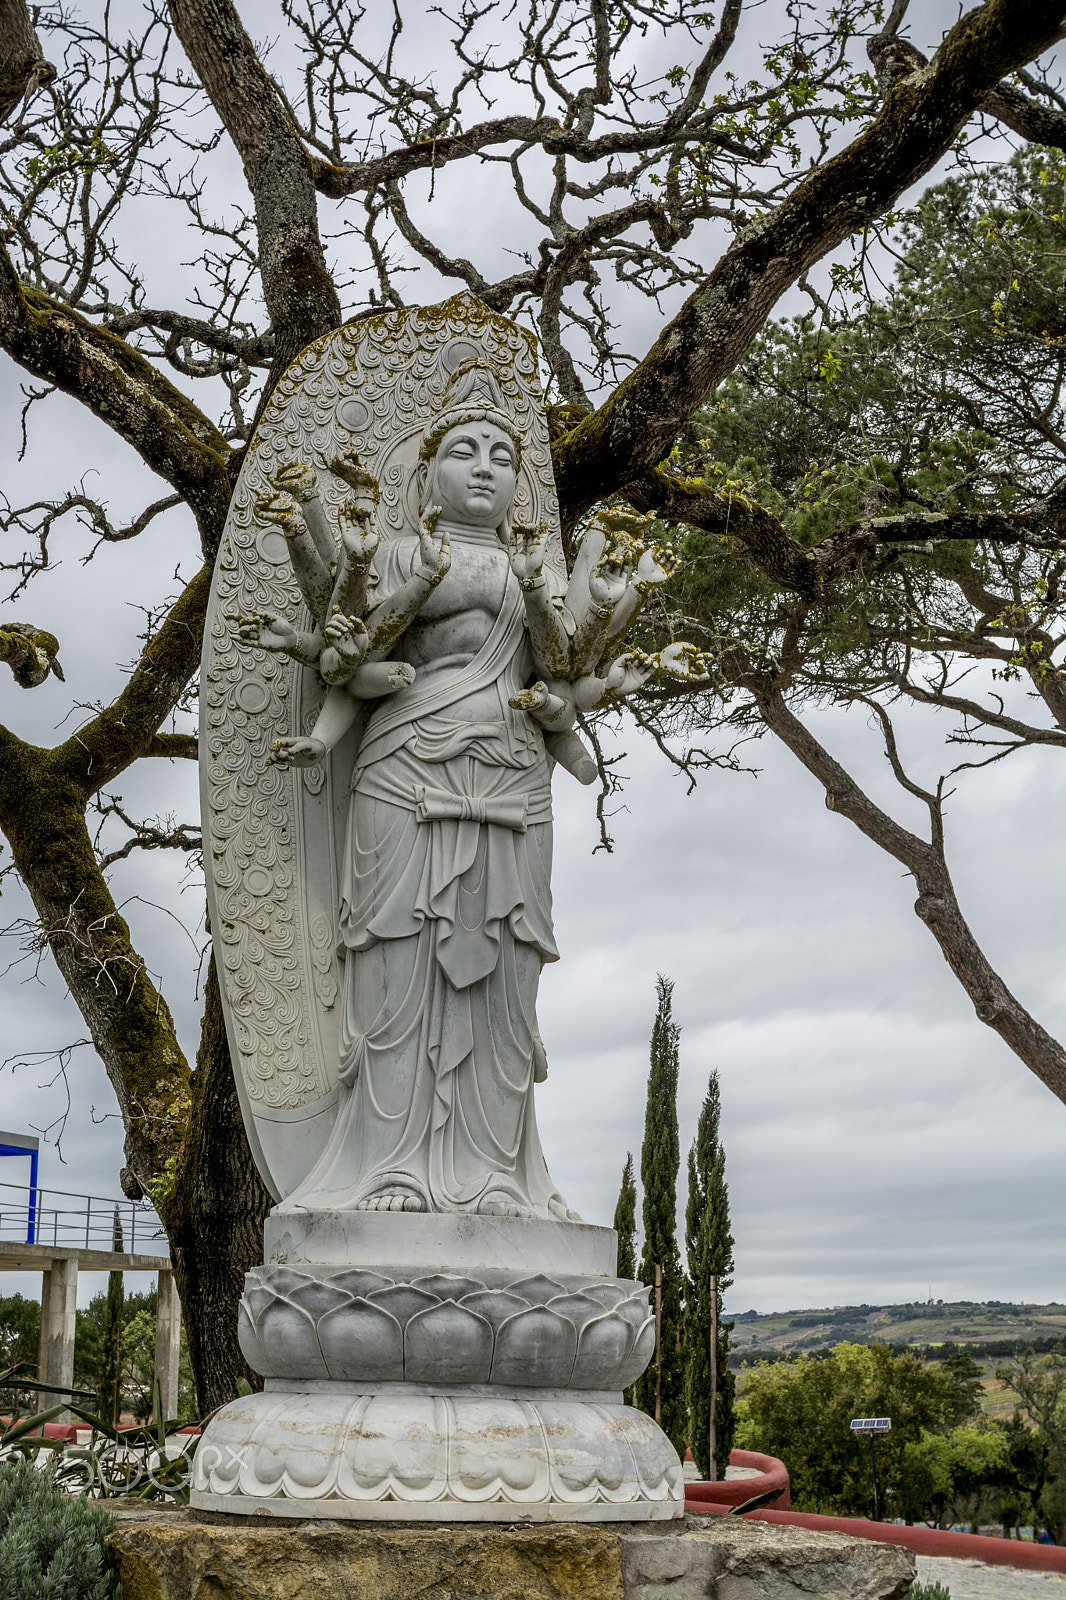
x: 397, y: 1457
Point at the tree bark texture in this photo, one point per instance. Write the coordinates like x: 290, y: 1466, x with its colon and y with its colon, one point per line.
x: 214, y: 1215
x: 22, y: 63
x: 297, y: 286
x: 42, y: 813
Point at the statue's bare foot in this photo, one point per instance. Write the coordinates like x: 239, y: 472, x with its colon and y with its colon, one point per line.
x: 497, y: 1203
x: 392, y: 1199
x: 561, y: 1212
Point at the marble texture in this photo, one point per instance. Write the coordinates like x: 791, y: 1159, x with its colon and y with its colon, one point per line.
x: 395, y: 661
x: 398, y: 1457
x: 501, y: 1328
x: 437, y: 1240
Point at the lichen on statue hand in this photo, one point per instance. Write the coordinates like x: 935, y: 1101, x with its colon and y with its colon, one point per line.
x: 346, y: 644
x: 298, y: 480
x: 296, y: 752
x: 261, y: 630
x: 657, y: 564
x: 684, y: 662
x: 434, y: 555
x: 526, y: 553
x: 551, y: 707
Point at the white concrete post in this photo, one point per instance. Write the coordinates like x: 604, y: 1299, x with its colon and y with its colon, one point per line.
x: 42, y: 1341
x: 57, y: 1329
x: 167, y: 1344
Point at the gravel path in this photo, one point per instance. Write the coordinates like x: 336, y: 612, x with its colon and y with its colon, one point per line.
x: 974, y: 1580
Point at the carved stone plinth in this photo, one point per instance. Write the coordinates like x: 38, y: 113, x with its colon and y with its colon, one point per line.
x: 485, y: 1392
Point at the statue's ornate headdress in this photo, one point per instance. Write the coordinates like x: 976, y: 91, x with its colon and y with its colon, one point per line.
x: 473, y: 395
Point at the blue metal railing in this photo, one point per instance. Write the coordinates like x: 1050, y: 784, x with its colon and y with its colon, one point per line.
x: 32, y: 1215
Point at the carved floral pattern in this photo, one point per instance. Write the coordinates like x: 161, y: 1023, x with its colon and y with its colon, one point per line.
x: 410, y: 1451
x: 535, y: 1332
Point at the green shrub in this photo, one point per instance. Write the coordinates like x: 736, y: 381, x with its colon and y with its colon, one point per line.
x: 928, y: 1591
x: 52, y: 1545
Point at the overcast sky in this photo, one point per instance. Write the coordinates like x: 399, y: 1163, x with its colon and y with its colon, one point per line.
x: 882, y: 1144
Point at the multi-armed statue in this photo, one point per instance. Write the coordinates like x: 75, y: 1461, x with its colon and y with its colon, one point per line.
x: 440, y: 1335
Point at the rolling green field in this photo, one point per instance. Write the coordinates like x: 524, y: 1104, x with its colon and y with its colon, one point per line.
x: 928, y: 1323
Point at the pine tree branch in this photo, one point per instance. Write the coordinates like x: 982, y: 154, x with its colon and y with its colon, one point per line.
x: 921, y: 115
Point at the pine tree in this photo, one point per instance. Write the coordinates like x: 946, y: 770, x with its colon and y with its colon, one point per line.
x: 625, y: 1221
x: 709, y: 1246
x: 660, y: 1390
x: 110, y: 1392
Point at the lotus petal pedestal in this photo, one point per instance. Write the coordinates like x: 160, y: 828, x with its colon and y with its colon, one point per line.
x: 486, y: 1389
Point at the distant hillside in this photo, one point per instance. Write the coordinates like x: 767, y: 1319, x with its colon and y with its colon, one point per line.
x: 993, y: 1327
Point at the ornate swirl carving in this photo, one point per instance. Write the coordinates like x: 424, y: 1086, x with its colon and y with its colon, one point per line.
x: 355, y: 1325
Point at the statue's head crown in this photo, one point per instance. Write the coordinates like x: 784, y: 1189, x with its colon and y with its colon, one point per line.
x: 474, y: 394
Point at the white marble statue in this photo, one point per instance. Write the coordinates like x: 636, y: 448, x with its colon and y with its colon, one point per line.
x: 394, y: 664
x: 445, y: 893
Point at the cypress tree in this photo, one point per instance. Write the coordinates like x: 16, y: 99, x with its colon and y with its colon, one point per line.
x: 110, y: 1393
x: 625, y: 1225
x: 709, y: 1246
x: 625, y: 1221
x: 660, y: 1390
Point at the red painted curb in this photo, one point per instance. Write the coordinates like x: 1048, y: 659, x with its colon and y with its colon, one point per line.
x: 773, y: 1474
x: 923, y: 1541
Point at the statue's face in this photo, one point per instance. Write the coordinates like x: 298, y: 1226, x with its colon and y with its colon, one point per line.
x: 474, y: 479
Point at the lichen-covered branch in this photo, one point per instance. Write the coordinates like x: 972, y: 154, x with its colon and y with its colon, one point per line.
x: 22, y: 64
x: 129, y: 728
x: 122, y: 388
x: 921, y: 115
x: 42, y: 815
x: 937, y: 904
x: 30, y: 652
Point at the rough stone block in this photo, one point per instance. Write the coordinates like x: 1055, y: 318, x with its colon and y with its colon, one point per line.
x: 178, y: 1554
x: 737, y: 1558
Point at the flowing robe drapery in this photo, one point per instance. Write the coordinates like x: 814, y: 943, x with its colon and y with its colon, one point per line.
x: 445, y: 923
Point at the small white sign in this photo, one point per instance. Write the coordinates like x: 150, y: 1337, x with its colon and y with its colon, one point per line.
x: 871, y: 1424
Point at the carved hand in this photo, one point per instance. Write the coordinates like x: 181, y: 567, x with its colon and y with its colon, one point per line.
x: 266, y: 632
x: 297, y: 479
x: 526, y: 553
x: 367, y: 491
x: 347, y: 642
x: 358, y: 534
x: 684, y: 661
x: 629, y: 672
x: 552, y: 710
x: 609, y: 577
x: 657, y: 563
x: 435, y: 556
x: 296, y: 752
x: 282, y: 510
x: 348, y: 636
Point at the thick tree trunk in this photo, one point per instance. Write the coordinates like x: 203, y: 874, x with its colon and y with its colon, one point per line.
x: 214, y: 1215
x: 42, y: 814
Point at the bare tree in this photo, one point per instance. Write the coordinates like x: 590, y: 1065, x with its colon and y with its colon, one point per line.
x: 632, y: 157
